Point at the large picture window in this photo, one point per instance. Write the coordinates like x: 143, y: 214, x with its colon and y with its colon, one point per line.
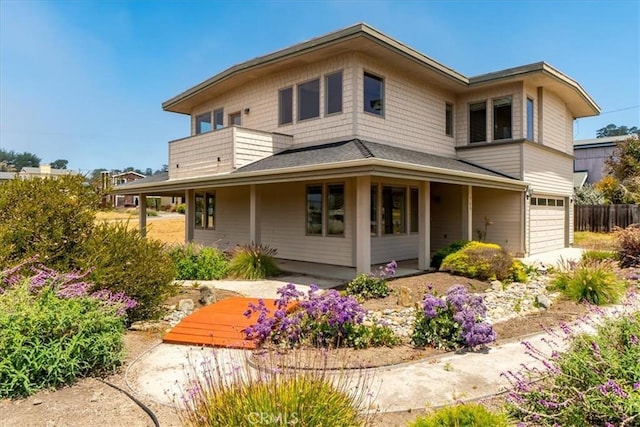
x: 478, y: 122
x: 373, y: 94
x: 333, y: 92
x: 285, y: 106
x: 502, y: 118
x: 203, y: 123
x: 325, y: 210
x: 309, y: 100
x: 205, y: 211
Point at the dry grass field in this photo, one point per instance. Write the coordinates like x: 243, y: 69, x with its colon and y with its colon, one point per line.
x: 168, y: 230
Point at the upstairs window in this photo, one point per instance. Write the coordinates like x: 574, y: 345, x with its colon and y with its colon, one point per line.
x: 218, y: 119
x: 478, y: 122
x: 502, y: 118
x: 203, y: 123
x: 448, y: 119
x: 333, y: 93
x: 285, y: 106
x: 530, y: 119
x: 373, y: 94
x: 309, y: 100
x: 235, y: 119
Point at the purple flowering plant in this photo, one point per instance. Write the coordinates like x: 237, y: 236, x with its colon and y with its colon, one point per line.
x: 40, y: 278
x: 578, y: 378
x: 453, y: 321
x: 321, y: 319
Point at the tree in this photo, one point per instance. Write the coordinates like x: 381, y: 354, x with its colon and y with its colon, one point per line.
x: 624, y: 163
x: 19, y: 160
x: 613, y: 130
x: 588, y: 194
x: 60, y: 164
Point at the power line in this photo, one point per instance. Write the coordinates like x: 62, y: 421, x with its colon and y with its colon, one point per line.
x: 621, y: 109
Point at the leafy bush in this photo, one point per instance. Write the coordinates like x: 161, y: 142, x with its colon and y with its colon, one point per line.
x: 235, y: 395
x: 323, y: 319
x: 253, y: 262
x: 519, y: 272
x: 591, y: 281
x: 596, y: 255
x: 596, y: 382
x: 373, y: 285
x: 628, y: 242
x: 462, y: 415
x: 152, y: 213
x: 588, y: 194
x: 52, y: 331
x: 441, y: 254
x: 194, y: 262
x: 124, y: 261
x: 479, y: 260
x: 181, y: 208
x: 452, y: 322
x: 50, y: 218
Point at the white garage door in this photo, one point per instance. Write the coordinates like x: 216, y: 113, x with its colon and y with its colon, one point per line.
x: 547, y: 224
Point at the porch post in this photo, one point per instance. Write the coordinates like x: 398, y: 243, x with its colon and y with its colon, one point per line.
x: 254, y: 215
x: 363, y: 224
x: 142, y: 219
x: 190, y: 217
x: 424, y: 226
x: 467, y: 212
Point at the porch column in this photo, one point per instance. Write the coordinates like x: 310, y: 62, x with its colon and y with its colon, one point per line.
x: 142, y: 219
x: 467, y: 212
x: 363, y: 224
x: 190, y: 217
x: 424, y: 226
x: 254, y: 215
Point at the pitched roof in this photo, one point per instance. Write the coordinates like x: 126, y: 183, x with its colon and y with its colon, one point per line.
x: 7, y: 175
x: 159, y: 177
x: 356, y: 149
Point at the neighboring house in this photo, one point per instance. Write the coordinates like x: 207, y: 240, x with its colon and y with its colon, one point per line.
x: 43, y: 171
x: 7, y: 176
x: 590, y: 156
x: 124, y: 200
x: 353, y: 149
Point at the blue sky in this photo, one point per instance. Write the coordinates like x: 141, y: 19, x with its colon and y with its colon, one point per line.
x: 84, y: 81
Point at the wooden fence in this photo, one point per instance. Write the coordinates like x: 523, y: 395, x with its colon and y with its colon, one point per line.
x: 604, y: 218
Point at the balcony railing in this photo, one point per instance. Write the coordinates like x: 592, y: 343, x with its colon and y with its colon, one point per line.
x: 222, y: 151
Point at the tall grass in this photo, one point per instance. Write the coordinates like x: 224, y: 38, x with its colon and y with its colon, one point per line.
x: 253, y: 262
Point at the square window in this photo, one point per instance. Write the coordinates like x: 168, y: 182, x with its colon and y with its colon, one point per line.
x: 335, y: 210
x: 373, y: 94
x: 478, y: 122
x: 333, y: 95
x: 534, y: 201
x: 551, y: 202
x: 542, y: 201
x: 285, y: 106
x: 218, y: 119
x: 309, y: 100
x: 559, y: 202
x: 235, y: 119
x: 203, y: 123
x: 448, y: 120
x: 502, y: 118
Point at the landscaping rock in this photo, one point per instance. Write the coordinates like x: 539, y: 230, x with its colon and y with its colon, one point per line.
x: 496, y: 285
x: 186, y: 305
x: 543, y: 301
x: 405, y: 296
x: 207, y: 295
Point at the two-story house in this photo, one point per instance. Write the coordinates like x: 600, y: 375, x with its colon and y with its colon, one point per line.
x: 353, y: 149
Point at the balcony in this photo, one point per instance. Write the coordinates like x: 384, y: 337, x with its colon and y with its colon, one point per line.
x: 222, y: 151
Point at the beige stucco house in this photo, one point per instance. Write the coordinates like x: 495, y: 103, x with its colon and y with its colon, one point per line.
x: 353, y: 149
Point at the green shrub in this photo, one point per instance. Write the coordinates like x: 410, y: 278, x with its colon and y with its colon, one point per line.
x: 277, y: 396
x: 253, y: 262
x: 50, y: 218
x: 592, y: 281
x: 462, y: 415
x: 441, y: 254
x: 596, y: 255
x: 479, y: 260
x: 366, y: 286
x: 596, y: 382
x: 194, y: 262
x: 519, y: 272
x: 365, y: 336
x: 125, y: 261
x: 152, y: 213
x: 181, y: 208
x: 628, y: 242
x: 48, y: 341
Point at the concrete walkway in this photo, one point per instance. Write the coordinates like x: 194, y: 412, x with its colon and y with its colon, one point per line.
x: 159, y: 374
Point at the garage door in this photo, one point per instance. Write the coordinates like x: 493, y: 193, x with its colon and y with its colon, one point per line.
x: 547, y: 224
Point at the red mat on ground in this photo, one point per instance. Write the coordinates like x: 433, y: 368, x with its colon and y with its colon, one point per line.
x: 219, y: 324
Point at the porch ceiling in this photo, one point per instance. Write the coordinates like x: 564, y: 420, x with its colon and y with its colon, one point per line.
x: 336, y: 160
